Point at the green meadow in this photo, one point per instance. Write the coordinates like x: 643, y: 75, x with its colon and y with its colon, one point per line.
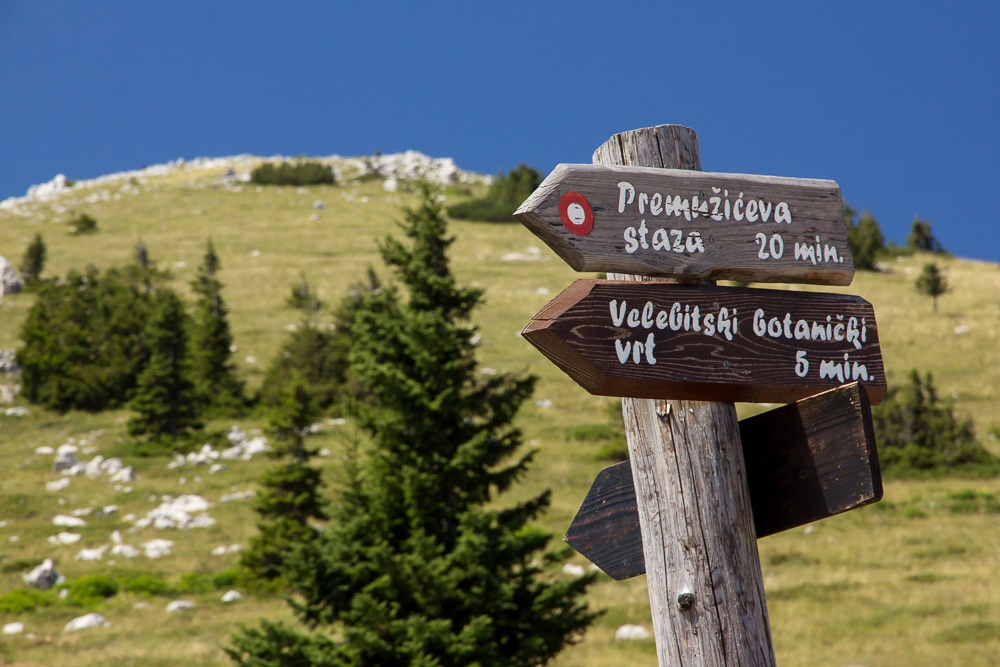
x: 908, y: 581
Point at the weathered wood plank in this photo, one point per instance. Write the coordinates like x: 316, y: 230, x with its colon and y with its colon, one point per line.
x: 702, y: 568
x: 805, y: 461
x: 655, y: 340
x: 685, y: 224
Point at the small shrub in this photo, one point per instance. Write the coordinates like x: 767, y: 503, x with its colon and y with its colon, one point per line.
x: 83, y: 224
x: 615, y: 451
x: 91, y: 588
x: 306, y: 172
x: 144, y: 584
x: 195, y: 582
x: 502, y: 199
x: 227, y: 578
x: 592, y: 432
x: 21, y: 600
x: 917, y: 432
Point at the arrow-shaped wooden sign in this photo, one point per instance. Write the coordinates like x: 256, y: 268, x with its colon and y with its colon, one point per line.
x: 805, y: 461
x: 706, y: 343
x: 681, y: 223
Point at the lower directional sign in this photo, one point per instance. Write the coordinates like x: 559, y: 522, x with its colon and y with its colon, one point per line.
x: 805, y: 461
x: 707, y: 343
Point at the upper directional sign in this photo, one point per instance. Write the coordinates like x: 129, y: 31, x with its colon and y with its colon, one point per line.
x: 660, y: 340
x: 680, y: 223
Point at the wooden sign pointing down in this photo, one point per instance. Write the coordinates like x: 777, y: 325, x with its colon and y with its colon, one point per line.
x: 706, y: 343
x: 681, y: 223
x: 805, y: 462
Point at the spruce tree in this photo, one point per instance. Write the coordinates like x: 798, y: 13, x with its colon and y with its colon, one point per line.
x: 291, y: 495
x: 214, y: 372
x: 33, y: 261
x: 418, y: 565
x: 932, y: 282
x: 166, y: 404
x: 865, y: 239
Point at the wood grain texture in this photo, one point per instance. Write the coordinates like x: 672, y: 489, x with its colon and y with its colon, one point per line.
x: 690, y: 482
x: 806, y: 461
x: 706, y: 235
x: 778, y: 346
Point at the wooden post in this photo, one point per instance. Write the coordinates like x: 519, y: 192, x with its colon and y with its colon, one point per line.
x: 706, y: 589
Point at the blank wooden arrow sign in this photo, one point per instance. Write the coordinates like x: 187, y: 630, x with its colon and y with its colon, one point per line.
x: 681, y: 223
x: 706, y: 343
x: 805, y: 461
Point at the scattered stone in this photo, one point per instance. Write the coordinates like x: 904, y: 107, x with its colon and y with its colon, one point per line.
x: 17, y: 412
x: 543, y: 403
x: 8, y: 362
x: 91, y: 554
x: 66, y: 462
x: 573, y: 570
x: 631, y: 632
x: 57, y: 485
x: 125, y: 551
x: 44, y: 450
x: 232, y: 596
x: 223, y: 550
x: 64, y: 538
x: 10, y: 281
x: 68, y: 521
x: 157, y: 548
x: 239, y: 495
x: 319, y: 205
x: 14, y: 628
x: 44, y: 576
x: 183, y: 513
x: 179, y: 605
x: 85, y: 622
x: 216, y: 467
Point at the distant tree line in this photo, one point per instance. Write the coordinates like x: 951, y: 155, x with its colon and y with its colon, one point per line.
x: 298, y: 173
x: 505, y: 194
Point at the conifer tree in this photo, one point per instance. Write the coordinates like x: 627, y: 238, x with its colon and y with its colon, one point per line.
x: 291, y: 495
x: 214, y: 372
x: 417, y: 566
x: 932, y: 282
x: 166, y: 403
x: 33, y: 261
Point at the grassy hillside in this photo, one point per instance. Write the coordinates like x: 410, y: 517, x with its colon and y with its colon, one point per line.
x: 909, y: 581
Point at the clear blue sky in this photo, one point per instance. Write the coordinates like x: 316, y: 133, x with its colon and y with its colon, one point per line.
x: 899, y: 102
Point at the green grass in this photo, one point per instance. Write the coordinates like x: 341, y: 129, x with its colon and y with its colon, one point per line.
x: 909, y: 581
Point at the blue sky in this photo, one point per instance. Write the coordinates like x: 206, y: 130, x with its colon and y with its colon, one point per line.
x: 899, y: 102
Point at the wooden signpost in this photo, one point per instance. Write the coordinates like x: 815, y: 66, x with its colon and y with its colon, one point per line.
x: 805, y: 461
x: 654, y: 340
x: 708, y: 226
x: 661, y: 345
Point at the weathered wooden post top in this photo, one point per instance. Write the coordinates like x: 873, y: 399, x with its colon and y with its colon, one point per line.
x: 700, y: 486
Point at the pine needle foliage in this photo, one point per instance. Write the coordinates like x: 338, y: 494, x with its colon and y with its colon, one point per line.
x: 84, y: 343
x: 291, y: 496
x: 864, y: 236
x: 505, y: 194
x: 33, y: 261
x: 932, y: 282
x: 212, y: 365
x: 166, y: 404
x: 418, y: 565
x: 917, y: 431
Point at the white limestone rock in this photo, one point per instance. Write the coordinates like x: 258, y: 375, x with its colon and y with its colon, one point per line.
x: 86, y: 622
x: 232, y: 596
x: 179, y: 605
x: 631, y: 632
x: 44, y: 576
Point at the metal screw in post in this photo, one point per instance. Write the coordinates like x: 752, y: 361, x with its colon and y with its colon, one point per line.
x: 685, y: 600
